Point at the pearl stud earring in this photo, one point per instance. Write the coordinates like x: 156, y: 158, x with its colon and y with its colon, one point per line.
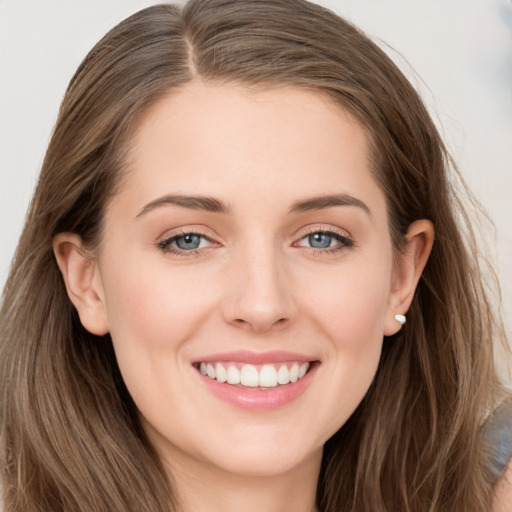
x: 400, y: 319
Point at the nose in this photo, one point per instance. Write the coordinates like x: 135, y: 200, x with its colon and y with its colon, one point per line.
x: 261, y: 295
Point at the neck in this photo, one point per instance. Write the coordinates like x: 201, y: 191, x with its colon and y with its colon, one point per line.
x: 202, y: 488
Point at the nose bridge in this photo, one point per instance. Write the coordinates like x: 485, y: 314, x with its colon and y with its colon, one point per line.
x: 261, y: 293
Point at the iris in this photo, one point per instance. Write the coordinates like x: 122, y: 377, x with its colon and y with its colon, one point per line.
x: 320, y: 240
x: 188, y: 242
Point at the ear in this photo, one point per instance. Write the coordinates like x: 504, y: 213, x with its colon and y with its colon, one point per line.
x: 409, y: 265
x: 83, y: 281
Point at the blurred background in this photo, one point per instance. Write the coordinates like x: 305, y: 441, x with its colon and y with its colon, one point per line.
x: 458, y: 53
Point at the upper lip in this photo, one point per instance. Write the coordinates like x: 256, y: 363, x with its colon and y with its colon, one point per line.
x: 246, y: 356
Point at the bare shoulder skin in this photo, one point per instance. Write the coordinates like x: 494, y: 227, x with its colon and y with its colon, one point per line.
x: 502, y: 501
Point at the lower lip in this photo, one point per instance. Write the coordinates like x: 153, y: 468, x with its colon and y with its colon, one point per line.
x: 256, y: 399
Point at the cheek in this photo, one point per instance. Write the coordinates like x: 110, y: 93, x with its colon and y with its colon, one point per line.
x: 154, y: 313
x: 349, y: 310
x: 350, y: 303
x: 156, y: 307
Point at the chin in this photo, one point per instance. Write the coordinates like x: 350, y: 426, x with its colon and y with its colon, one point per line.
x: 267, y: 462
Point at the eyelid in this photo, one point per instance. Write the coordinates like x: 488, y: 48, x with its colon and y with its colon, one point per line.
x: 345, y: 239
x: 188, y: 229
x: 164, y: 242
x: 322, y: 228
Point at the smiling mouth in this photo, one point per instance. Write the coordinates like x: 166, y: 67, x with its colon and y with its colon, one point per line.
x: 269, y: 375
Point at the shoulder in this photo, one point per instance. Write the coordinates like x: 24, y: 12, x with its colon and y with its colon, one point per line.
x: 502, y: 498
x: 497, y: 436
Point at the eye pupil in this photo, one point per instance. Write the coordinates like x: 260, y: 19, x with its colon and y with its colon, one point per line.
x: 188, y: 242
x: 320, y: 240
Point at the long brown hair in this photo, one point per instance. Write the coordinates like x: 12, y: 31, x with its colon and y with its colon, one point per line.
x: 70, y: 437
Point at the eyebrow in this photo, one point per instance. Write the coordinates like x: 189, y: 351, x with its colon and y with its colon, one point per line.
x: 209, y: 204
x: 321, y: 202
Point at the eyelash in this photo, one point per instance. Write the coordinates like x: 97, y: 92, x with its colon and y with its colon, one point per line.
x: 344, y: 243
x: 167, y: 247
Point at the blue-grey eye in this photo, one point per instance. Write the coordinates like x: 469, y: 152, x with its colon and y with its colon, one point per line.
x: 320, y: 240
x: 185, y: 244
x: 188, y: 242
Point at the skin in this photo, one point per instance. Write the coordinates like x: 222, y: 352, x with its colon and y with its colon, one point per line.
x: 254, y: 284
x: 503, y: 492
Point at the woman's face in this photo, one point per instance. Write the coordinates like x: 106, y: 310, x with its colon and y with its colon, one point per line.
x: 248, y: 241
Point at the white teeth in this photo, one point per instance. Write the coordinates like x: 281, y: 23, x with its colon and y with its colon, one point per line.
x: 267, y: 376
x: 210, y: 370
x: 304, y: 367
x: 294, y: 372
x: 220, y: 373
x: 233, y: 375
x: 283, y: 376
x: 249, y: 376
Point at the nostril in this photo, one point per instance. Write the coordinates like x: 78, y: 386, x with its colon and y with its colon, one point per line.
x: 260, y: 324
x: 242, y: 324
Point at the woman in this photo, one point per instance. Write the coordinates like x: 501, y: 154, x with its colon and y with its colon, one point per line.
x: 207, y: 309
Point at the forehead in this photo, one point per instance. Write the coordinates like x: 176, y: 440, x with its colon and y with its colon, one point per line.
x: 225, y: 139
